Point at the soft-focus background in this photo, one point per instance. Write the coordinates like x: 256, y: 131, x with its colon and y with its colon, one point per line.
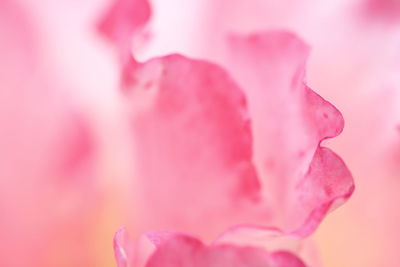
x: 54, y: 65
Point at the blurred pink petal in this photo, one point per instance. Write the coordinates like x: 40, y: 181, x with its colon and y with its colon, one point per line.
x: 271, y: 240
x: 136, y: 252
x: 122, y: 21
x: 180, y: 250
x: 385, y: 10
x: 186, y: 251
x: 123, y: 248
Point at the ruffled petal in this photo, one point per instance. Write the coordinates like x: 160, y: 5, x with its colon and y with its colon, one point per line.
x: 289, y: 121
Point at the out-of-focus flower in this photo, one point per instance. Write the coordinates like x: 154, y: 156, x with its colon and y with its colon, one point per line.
x: 231, y: 138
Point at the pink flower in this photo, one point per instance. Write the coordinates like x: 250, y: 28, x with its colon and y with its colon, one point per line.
x: 232, y: 140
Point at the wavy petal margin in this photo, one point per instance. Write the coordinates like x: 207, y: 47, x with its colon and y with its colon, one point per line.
x: 301, y: 179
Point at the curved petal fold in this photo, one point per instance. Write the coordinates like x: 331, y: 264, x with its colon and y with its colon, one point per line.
x: 289, y: 121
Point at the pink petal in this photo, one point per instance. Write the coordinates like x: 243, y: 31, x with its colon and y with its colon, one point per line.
x: 285, y: 259
x: 131, y: 252
x: 385, y: 10
x: 173, y: 249
x: 122, y: 249
x: 122, y: 21
x: 184, y: 251
x: 191, y: 129
x: 271, y: 240
x: 300, y: 179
